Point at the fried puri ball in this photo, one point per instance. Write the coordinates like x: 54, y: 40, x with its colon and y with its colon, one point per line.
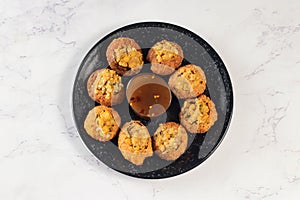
x: 165, y: 56
x: 105, y: 87
x: 198, y: 115
x: 102, y: 123
x: 135, y: 142
x: 170, y: 141
x: 188, y: 82
x: 125, y: 56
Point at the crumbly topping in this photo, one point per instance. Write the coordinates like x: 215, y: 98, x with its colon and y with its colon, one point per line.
x: 196, y: 111
x: 128, y: 56
x: 108, y: 83
x: 167, y: 139
x: 105, y: 121
x: 165, y: 50
x: 137, y: 138
x: 182, y: 84
x: 188, y: 78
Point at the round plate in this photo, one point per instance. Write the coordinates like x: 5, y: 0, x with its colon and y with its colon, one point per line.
x: 196, y: 51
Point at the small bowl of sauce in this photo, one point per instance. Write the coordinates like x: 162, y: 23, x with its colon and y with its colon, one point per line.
x: 148, y: 95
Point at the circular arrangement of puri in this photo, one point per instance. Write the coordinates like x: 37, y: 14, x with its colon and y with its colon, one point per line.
x: 188, y: 82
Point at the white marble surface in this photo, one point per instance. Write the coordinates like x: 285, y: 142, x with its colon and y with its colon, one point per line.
x: 41, y: 45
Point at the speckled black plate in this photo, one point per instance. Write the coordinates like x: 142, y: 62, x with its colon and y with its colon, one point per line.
x: 196, y: 51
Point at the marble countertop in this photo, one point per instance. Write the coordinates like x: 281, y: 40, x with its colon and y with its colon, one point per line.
x: 42, y: 43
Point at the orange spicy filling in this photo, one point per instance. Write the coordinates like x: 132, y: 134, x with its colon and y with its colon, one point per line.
x: 188, y: 79
x: 128, y: 56
x: 165, y: 50
x: 196, y: 111
x: 137, y: 138
x: 105, y: 121
x: 167, y: 139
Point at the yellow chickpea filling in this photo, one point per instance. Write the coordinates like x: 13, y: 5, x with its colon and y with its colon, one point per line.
x: 190, y: 75
x: 188, y: 80
x: 128, y: 56
x: 137, y: 138
x: 105, y: 121
x: 167, y: 139
x: 196, y: 112
x: 108, y: 82
x: 165, y: 50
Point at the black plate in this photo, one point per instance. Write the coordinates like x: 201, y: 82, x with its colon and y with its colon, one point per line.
x: 196, y: 51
